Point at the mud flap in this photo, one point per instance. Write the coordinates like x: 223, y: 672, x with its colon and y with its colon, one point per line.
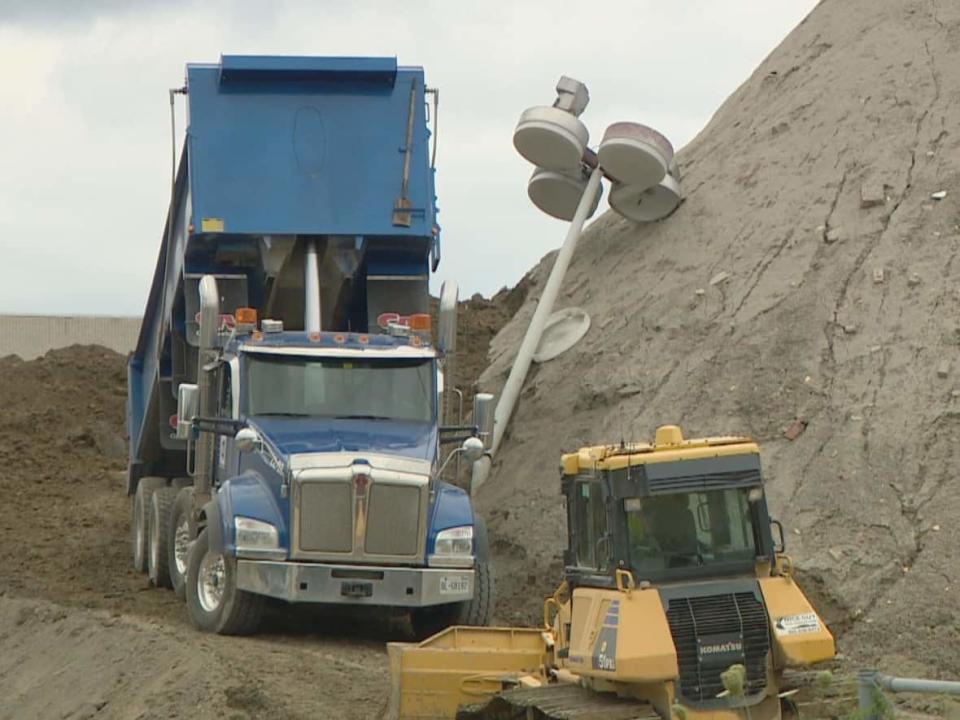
x: 214, y: 526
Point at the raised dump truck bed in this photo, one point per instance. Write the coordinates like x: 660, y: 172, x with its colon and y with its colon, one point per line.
x: 285, y: 394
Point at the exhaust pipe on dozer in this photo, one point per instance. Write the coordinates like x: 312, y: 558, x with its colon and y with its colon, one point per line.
x: 207, y: 357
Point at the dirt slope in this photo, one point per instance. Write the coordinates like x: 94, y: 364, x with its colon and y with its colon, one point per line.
x: 810, y: 274
x: 84, y: 635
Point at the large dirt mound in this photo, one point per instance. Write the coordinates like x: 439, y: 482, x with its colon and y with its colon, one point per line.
x: 63, y: 455
x: 810, y: 274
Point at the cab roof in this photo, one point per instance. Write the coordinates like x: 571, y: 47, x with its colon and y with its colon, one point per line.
x: 669, y: 445
x: 334, y: 343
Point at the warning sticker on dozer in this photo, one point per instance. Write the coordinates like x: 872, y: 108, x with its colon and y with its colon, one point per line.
x: 797, y: 624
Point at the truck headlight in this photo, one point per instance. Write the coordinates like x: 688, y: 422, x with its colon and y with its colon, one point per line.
x: 255, y: 534
x: 454, y: 542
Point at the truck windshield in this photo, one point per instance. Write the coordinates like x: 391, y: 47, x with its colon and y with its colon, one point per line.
x: 340, y: 387
x: 690, y: 529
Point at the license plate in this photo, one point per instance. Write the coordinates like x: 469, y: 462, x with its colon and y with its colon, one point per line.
x: 454, y: 584
x: 356, y: 589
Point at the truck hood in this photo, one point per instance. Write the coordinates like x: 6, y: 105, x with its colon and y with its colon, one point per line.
x: 293, y: 436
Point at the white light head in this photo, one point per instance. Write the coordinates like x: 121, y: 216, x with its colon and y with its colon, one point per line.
x: 552, y: 137
x: 634, y: 154
x: 641, y: 204
x: 558, y: 193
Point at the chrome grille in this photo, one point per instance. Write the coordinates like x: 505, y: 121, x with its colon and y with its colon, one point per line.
x: 326, y: 517
x: 393, y: 520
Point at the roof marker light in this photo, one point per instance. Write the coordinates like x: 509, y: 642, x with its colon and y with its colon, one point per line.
x: 246, y: 316
x: 419, y: 322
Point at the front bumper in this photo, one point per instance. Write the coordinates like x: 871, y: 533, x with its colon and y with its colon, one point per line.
x: 355, y: 584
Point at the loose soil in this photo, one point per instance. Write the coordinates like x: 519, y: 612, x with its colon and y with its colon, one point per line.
x: 83, y: 635
x: 811, y: 274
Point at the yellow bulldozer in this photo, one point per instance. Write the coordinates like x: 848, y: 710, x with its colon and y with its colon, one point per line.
x: 678, y: 602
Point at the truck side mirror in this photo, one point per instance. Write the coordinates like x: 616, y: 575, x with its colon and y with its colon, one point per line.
x: 447, y: 325
x: 247, y: 439
x: 484, y: 407
x: 472, y: 449
x: 188, y: 398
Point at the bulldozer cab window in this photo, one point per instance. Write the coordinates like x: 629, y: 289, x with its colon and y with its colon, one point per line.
x: 589, y: 518
x: 689, y: 530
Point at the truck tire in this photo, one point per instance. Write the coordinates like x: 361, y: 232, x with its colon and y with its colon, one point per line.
x: 179, y: 532
x: 214, y: 602
x: 158, y: 538
x: 477, y: 611
x: 139, y: 520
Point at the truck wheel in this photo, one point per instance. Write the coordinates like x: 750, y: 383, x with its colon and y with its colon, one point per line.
x: 213, y: 600
x: 180, y: 540
x: 159, y: 536
x: 477, y: 611
x: 139, y: 519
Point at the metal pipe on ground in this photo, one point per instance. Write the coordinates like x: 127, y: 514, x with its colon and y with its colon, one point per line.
x: 871, y: 683
x: 518, y: 373
x: 207, y: 357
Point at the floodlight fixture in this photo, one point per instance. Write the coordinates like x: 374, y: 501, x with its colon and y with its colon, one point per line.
x: 641, y: 204
x: 553, y: 137
x: 634, y: 154
x: 558, y: 193
x: 638, y: 161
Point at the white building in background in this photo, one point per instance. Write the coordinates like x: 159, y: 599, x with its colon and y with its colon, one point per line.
x: 30, y: 336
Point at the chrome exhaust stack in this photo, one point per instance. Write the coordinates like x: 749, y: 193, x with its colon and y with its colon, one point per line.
x: 311, y: 289
x: 207, y: 358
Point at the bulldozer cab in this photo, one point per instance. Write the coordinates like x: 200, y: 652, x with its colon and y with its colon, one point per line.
x: 674, y: 510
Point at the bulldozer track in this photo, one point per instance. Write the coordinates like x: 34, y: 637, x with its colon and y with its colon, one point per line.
x: 557, y: 702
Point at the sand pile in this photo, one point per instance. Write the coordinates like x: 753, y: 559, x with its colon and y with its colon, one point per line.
x: 809, y: 275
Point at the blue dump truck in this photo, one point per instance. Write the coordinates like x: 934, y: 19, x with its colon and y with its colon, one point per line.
x: 290, y: 416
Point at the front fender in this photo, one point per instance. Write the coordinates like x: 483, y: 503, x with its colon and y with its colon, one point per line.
x: 451, y: 508
x: 246, y: 495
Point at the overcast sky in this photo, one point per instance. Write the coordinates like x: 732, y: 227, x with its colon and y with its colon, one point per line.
x: 85, y: 130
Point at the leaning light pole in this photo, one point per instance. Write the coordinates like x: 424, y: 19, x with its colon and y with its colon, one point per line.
x: 566, y: 184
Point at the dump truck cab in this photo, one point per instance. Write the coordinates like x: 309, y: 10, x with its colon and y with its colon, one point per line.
x: 325, y: 477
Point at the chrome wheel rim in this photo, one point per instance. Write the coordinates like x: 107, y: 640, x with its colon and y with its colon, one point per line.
x: 181, y: 545
x: 154, y: 548
x: 210, y: 581
x: 139, y: 537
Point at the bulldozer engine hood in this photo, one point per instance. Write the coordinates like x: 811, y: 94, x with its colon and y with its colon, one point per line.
x: 690, y: 633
